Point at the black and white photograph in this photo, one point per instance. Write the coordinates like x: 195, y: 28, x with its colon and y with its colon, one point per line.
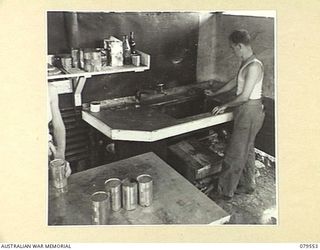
x: 161, y: 118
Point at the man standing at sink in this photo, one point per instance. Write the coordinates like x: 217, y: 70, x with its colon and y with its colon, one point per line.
x: 238, y: 168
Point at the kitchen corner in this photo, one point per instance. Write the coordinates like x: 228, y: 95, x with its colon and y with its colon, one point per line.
x: 134, y: 93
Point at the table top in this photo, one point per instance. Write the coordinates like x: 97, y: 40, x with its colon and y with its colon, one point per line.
x: 176, y: 200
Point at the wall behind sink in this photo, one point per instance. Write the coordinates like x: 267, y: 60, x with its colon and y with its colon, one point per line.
x: 170, y: 38
x: 215, y: 58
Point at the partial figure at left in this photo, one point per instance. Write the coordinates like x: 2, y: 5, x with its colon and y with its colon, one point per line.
x: 56, y: 141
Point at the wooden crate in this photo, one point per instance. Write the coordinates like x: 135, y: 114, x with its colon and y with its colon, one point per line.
x: 193, y: 160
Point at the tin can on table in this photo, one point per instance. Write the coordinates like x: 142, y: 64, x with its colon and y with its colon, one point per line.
x: 100, y: 204
x: 113, y: 186
x: 58, y: 173
x: 145, y: 184
x: 129, y: 194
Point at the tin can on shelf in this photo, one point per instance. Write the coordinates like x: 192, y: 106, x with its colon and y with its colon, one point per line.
x: 66, y: 63
x: 113, y: 186
x: 92, y: 60
x: 129, y: 194
x: 135, y: 59
x: 58, y: 173
x: 145, y: 186
x: 100, y: 204
x: 75, y: 54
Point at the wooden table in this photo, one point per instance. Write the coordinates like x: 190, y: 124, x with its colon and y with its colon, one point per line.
x: 176, y: 201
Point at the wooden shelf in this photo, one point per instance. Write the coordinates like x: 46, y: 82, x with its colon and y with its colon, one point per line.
x: 76, y: 73
x: 106, y: 70
x: 79, y: 76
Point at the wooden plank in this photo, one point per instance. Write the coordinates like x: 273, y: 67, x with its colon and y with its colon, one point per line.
x: 80, y: 81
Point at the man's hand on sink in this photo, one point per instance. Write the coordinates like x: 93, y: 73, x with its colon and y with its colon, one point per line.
x: 219, y: 110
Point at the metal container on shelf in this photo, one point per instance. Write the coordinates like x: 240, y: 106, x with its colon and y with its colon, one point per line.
x: 66, y: 62
x: 92, y: 60
x: 75, y: 54
x: 135, y: 59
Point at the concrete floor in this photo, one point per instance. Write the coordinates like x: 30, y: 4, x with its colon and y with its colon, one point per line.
x: 258, y: 207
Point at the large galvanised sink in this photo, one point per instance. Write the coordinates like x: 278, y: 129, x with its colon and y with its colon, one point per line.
x: 157, y: 118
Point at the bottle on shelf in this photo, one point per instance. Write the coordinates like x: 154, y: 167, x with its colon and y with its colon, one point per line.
x: 132, y: 43
x: 126, y: 50
x: 107, y: 48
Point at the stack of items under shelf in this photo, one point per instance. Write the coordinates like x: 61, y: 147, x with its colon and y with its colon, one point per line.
x: 198, y: 160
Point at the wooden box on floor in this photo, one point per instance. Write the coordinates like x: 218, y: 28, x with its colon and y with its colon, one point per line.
x: 193, y: 160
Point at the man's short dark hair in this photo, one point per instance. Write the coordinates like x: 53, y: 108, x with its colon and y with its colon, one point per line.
x: 240, y: 36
